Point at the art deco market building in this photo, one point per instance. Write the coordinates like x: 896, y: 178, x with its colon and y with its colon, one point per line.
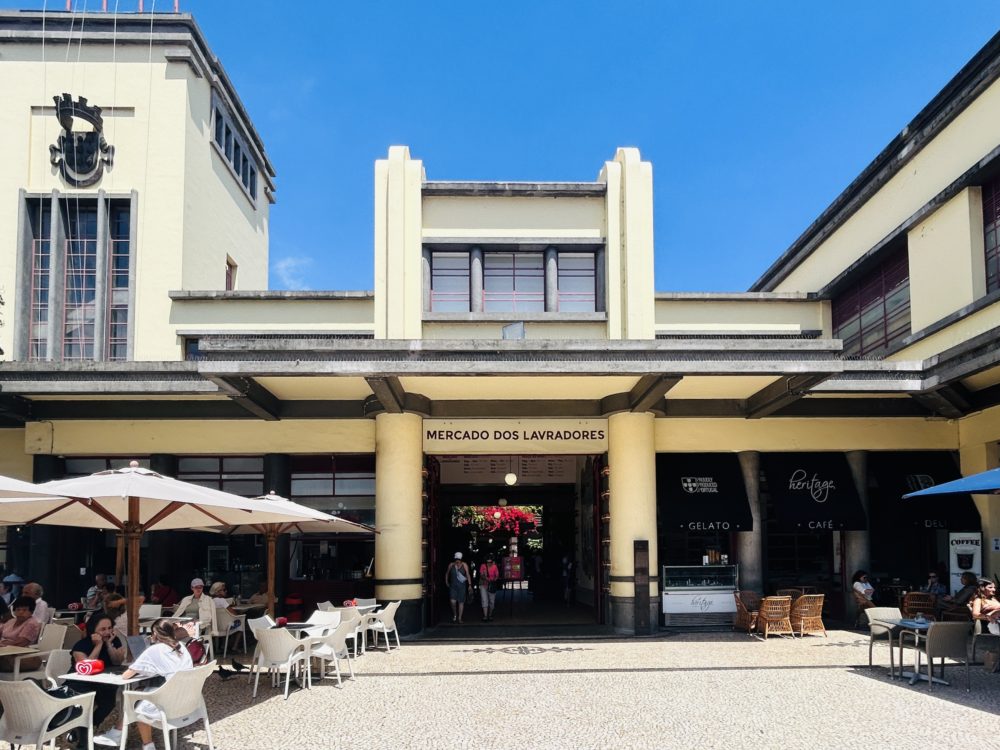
x: 513, y: 328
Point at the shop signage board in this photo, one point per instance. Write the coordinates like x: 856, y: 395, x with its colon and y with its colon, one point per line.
x: 965, y: 554
x: 493, y: 469
x: 513, y: 570
x: 702, y: 492
x: 515, y: 436
x: 813, y: 492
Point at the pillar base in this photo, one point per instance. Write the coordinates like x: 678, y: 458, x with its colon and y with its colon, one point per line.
x: 410, y: 617
x: 623, y: 615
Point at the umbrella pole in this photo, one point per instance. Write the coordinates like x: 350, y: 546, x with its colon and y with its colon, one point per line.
x: 133, y: 532
x: 272, y: 538
x: 119, y: 558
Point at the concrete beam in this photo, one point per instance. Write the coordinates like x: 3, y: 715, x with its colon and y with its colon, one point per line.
x: 15, y: 408
x: 648, y: 393
x: 781, y: 393
x: 950, y: 401
x: 390, y: 393
x: 250, y: 395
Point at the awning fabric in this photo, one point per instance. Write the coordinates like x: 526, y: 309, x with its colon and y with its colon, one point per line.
x: 701, y: 492
x: 812, y: 492
x: 898, y: 473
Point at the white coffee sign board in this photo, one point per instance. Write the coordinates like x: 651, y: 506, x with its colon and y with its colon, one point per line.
x: 965, y: 554
x: 515, y: 436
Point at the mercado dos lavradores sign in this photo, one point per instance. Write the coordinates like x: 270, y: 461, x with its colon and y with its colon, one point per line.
x: 568, y: 436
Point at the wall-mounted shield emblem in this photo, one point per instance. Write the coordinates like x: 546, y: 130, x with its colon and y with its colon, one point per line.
x: 81, y: 155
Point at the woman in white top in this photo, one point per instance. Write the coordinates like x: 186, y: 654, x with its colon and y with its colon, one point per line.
x: 862, y: 585
x: 164, y: 657
x: 197, y: 605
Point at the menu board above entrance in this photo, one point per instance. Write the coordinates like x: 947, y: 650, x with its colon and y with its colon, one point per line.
x: 514, y: 436
x: 493, y: 469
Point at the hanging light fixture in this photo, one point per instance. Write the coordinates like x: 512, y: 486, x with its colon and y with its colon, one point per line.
x: 511, y: 478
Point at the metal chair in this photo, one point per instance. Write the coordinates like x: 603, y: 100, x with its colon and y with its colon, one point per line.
x: 945, y: 640
x: 879, y: 630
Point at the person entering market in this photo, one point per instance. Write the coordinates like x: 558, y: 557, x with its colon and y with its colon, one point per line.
x: 489, y: 583
x: 458, y: 579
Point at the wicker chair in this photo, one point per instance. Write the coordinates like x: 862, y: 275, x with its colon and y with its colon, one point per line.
x: 747, y: 605
x: 774, y: 616
x: 917, y: 602
x: 807, y: 615
x: 862, y: 603
x: 794, y: 593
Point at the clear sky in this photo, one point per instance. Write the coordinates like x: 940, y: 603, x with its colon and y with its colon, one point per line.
x: 755, y: 115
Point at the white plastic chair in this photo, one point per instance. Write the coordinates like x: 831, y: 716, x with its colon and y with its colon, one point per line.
x: 256, y: 624
x: 365, y: 602
x: 384, y: 621
x: 59, y: 663
x: 150, y: 611
x: 351, y: 615
x: 325, y: 621
x: 28, y: 710
x: 223, y: 628
x: 324, y: 606
x: 280, y: 651
x: 180, y: 701
x: 333, y: 647
x: 51, y: 640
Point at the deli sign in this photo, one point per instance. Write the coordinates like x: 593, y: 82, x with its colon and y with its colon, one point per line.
x: 487, y: 436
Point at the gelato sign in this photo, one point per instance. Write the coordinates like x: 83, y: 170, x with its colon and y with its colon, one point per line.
x: 566, y: 436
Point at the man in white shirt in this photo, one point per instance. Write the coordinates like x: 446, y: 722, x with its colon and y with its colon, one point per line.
x: 42, y: 612
x: 97, y: 590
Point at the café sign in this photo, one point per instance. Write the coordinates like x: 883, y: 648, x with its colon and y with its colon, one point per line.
x: 566, y: 436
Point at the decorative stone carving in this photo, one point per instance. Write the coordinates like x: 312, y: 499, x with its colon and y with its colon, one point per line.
x: 80, y: 155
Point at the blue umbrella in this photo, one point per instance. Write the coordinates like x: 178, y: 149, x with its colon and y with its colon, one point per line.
x: 984, y: 483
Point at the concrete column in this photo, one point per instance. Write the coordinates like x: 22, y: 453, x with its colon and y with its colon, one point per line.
x: 977, y: 457
x: 476, y: 279
x: 57, y: 280
x: 101, y: 279
x: 425, y: 278
x: 750, y: 544
x: 632, y: 483
x: 551, y: 279
x: 399, y: 458
x: 857, y: 544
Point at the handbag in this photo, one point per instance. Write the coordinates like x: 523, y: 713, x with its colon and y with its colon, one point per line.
x: 493, y: 586
x: 67, y: 714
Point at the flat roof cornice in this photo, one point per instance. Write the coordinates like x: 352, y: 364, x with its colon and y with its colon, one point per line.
x: 267, y: 295
x: 515, y: 189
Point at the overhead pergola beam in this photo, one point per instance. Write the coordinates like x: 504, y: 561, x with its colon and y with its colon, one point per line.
x: 951, y: 401
x: 250, y: 395
x: 648, y: 393
x: 14, y: 408
x: 390, y: 393
x: 781, y: 393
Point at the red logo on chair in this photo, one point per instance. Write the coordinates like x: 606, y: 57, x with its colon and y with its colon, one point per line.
x: 90, y: 666
x: 281, y: 622
x: 350, y: 602
x: 75, y: 606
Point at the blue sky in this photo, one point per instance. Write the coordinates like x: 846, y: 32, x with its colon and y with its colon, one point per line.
x: 755, y: 115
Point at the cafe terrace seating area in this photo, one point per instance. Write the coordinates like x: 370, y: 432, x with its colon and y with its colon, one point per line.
x: 328, y: 645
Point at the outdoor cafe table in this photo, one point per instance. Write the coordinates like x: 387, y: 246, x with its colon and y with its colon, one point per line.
x: 917, y: 630
x: 106, y: 678
x: 17, y: 650
x: 80, y: 614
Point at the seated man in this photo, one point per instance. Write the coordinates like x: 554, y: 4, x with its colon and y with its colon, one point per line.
x: 260, y: 598
x: 42, y: 613
x: 934, y: 586
x: 22, y: 630
x: 96, y: 592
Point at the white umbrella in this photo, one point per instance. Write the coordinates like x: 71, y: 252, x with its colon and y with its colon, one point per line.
x: 311, y: 521
x: 136, y: 500
x: 16, y: 488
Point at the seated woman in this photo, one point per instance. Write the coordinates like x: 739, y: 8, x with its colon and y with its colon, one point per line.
x: 198, y: 606
x: 985, y: 606
x: 163, y: 593
x: 99, y: 643
x: 23, y: 630
x: 164, y: 657
x: 116, y: 607
x: 956, y: 607
x: 863, y: 590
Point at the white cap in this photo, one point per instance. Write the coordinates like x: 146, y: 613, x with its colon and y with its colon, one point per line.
x: 197, y: 582
x: 458, y: 555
